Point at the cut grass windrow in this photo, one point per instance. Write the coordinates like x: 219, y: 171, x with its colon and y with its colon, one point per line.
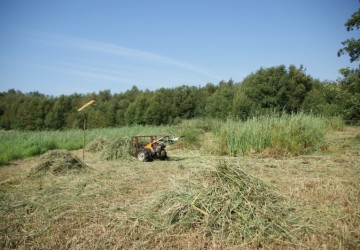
x: 228, y: 204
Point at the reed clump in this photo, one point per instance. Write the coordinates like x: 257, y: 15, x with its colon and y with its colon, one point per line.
x: 283, y: 135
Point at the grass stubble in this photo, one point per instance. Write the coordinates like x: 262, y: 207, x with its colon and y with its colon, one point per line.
x: 193, y: 201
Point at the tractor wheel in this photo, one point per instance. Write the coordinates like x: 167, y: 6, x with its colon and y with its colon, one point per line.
x: 163, y: 155
x: 143, y: 155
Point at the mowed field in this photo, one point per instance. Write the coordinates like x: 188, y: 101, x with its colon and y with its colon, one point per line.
x: 194, y: 200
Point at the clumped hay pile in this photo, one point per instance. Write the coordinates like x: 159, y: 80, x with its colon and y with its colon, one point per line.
x: 58, y: 162
x: 116, y: 149
x: 225, y: 204
x: 98, y: 144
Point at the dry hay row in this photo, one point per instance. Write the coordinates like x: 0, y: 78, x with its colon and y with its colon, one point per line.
x: 226, y: 204
x: 98, y: 144
x: 111, y: 150
x: 62, y: 161
x: 222, y: 204
x: 58, y: 162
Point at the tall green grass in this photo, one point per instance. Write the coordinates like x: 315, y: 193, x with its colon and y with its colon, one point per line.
x: 280, y: 134
x: 21, y: 144
x: 17, y: 145
x: 283, y: 134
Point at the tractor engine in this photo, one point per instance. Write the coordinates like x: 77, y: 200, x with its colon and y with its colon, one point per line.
x: 155, y: 149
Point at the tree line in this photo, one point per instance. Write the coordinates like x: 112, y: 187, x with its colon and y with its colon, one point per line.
x: 274, y: 89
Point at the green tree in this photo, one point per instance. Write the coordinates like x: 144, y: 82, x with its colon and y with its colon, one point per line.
x: 56, y: 118
x: 185, y: 100
x: 121, y: 107
x: 350, y: 83
x: 135, y: 113
x: 352, y: 45
x: 275, y: 89
x: 299, y: 85
x: 161, y: 109
x: 323, y: 99
x: 350, y: 86
x: 219, y: 105
x: 243, y: 106
x: 10, y: 103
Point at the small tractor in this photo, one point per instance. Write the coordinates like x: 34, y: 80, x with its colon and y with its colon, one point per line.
x: 148, y: 147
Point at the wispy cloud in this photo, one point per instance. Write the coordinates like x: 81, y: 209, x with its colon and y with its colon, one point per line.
x: 116, y: 50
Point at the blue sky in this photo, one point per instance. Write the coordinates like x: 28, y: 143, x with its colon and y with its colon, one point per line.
x: 76, y: 46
